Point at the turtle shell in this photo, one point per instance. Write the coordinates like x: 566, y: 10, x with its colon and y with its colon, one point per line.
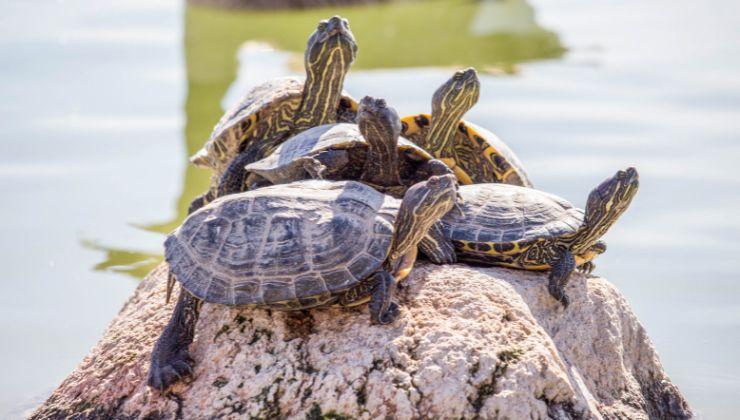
x: 502, y: 221
x: 260, y: 115
x: 481, y: 156
x: 288, y: 246
x: 284, y: 165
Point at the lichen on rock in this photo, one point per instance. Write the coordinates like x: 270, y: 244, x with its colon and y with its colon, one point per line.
x: 469, y: 343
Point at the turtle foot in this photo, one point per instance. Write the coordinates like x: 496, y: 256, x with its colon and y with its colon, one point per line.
x: 388, y: 316
x: 587, y: 267
x: 162, y: 374
x: 558, y: 293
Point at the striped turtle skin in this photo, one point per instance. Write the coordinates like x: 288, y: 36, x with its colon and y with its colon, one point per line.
x: 370, y: 151
x: 518, y: 227
x: 475, y: 154
x: 277, y: 109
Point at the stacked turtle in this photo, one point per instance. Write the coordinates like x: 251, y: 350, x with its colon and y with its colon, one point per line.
x: 318, y: 200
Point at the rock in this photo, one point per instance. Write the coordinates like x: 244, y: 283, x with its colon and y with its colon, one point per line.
x: 280, y: 4
x: 470, y: 342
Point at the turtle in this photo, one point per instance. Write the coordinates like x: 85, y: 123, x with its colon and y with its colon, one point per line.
x: 369, y: 151
x: 277, y: 109
x: 518, y: 227
x: 292, y: 247
x: 474, y: 153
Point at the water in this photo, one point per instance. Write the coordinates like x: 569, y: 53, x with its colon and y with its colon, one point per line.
x: 102, y: 103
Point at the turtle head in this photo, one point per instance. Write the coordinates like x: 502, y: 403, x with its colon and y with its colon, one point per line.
x: 423, y: 205
x: 376, y: 116
x: 330, y: 51
x: 380, y: 126
x: 331, y: 40
x: 604, y: 206
x: 449, y: 103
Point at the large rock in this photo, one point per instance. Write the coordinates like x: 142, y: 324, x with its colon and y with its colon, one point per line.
x: 470, y: 342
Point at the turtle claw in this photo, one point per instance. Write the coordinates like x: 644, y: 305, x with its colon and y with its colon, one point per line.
x: 390, y: 315
x: 162, y: 375
x: 587, y: 267
x: 559, y: 294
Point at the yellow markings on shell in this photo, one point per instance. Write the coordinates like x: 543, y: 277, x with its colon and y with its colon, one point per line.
x: 355, y: 303
x: 462, y: 176
x: 412, y: 127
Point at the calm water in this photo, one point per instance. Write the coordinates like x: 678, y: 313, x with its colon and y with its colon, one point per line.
x: 102, y: 102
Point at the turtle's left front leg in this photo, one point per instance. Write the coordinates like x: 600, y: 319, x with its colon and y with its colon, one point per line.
x: 562, y: 266
x: 382, y: 308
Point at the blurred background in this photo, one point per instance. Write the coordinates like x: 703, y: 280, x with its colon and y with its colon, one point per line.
x: 102, y: 102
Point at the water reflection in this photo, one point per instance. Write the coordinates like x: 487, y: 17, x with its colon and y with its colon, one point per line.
x: 490, y: 35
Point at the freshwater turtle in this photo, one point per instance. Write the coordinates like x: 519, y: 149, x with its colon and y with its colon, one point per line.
x: 518, y: 227
x: 370, y: 151
x: 291, y: 247
x: 474, y: 153
x: 277, y: 109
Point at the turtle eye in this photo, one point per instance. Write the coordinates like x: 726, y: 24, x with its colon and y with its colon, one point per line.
x: 433, y: 182
x: 322, y: 25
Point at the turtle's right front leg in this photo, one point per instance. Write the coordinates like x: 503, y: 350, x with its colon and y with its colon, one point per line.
x: 170, y: 358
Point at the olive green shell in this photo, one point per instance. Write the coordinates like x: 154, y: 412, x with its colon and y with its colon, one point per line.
x: 287, y: 246
x: 509, y: 224
x: 283, y: 164
x: 264, y: 112
x: 481, y: 156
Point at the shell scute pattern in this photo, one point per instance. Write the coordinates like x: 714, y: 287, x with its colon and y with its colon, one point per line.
x: 266, y: 111
x: 282, y: 164
x: 480, y: 154
x: 333, y: 239
x: 281, y: 251
x: 283, y: 246
x: 505, y: 214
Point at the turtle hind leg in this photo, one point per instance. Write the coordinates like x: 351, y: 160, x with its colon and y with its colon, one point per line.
x: 562, y: 267
x: 382, y: 308
x: 170, y: 358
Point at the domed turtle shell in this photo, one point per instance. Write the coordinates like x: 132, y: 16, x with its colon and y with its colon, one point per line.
x: 264, y: 111
x: 502, y: 219
x: 481, y: 156
x: 283, y: 165
x: 287, y: 246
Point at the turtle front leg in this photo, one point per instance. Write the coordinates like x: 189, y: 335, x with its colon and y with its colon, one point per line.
x: 382, y: 308
x: 437, y: 248
x: 201, y: 201
x: 170, y: 358
x: 562, y: 267
x: 234, y: 178
x: 429, y: 169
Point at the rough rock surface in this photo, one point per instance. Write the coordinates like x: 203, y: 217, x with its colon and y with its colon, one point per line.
x: 470, y: 342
